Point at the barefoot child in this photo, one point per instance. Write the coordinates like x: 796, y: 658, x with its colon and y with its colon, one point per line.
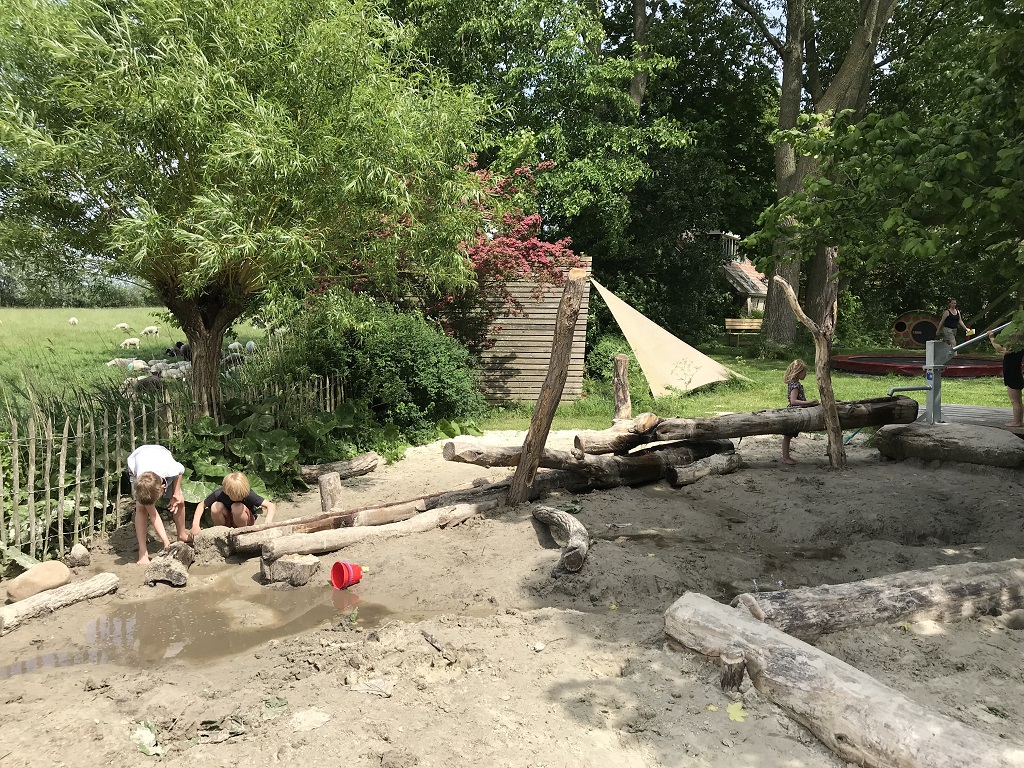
x: 155, y: 475
x: 1011, y: 346
x: 795, y: 373
x: 234, y: 504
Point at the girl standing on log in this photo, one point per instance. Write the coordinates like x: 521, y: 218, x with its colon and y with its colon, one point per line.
x: 795, y: 373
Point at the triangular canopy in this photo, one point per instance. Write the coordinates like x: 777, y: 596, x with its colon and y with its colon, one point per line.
x: 667, y: 362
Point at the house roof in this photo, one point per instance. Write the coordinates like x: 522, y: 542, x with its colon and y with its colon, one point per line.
x: 745, y: 278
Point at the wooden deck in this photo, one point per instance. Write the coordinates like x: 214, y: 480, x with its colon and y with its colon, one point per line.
x: 980, y: 415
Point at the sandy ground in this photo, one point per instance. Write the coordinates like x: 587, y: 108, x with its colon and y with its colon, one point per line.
x: 536, y: 670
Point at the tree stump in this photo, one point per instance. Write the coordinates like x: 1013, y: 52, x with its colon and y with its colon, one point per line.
x: 296, y: 570
x: 171, y: 565
x: 330, y: 492
x: 620, y: 381
x: 571, y: 531
x: 733, y: 667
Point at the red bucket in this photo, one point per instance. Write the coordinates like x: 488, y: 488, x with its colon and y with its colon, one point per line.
x: 345, y: 574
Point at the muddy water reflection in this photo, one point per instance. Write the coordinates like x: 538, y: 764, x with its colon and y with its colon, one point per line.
x: 226, y: 618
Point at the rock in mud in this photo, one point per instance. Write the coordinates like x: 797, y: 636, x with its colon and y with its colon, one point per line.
x: 296, y: 570
x: 171, y: 565
x: 79, y: 556
x: 966, y: 443
x: 212, y: 545
x: 39, y: 578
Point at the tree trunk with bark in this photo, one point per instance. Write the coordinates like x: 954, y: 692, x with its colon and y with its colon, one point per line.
x: 620, y: 379
x: 944, y: 593
x: 571, y: 531
x: 722, y: 464
x: 14, y: 615
x: 551, y: 390
x: 362, y: 464
x: 854, y: 715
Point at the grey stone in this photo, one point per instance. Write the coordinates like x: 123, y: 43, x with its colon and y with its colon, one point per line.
x: 296, y: 570
x: 212, y: 545
x: 967, y: 443
x: 39, y: 578
x: 79, y: 556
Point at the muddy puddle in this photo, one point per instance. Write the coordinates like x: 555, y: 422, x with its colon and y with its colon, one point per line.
x: 226, y: 618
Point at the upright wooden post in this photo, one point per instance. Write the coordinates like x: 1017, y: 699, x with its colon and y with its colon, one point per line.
x: 106, y: 469
x: 61, y: 512
x: 3, y: 523
x: 47, y: 467
x: 142, y: 411
x: 620, y: 380
x: 117, y: 466
x: 78, y: 478
x: 551, y: 391
x: 93, y: 475
x: 15, y: 481
x: 30, y: 486
x: 131, y: 427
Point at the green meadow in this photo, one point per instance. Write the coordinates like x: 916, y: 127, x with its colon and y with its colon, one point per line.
x: 41, y: 352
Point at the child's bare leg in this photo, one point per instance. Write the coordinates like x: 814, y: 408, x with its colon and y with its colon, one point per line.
x: 1016, y: 405
x: 219, y: 514
x: 786, y: 458
x: 240, y: 515
x: 141, y: 526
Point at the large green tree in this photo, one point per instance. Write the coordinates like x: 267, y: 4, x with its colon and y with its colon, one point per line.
x: 218, y: 148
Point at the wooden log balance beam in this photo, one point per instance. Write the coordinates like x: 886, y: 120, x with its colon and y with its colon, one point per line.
x: 942, y: 593
x: 854, y: 715
x: 874, y: 412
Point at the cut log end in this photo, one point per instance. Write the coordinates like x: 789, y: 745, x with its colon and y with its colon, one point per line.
x: 734, y: 665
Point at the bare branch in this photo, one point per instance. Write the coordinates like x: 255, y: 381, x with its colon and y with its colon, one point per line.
x: 761, y: 22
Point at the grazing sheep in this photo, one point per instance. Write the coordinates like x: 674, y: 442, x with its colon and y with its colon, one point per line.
x: 250, y: 347
x: 173, y: 373
x: 151, y: 330
x: 122, y: 327
x: 232, y: 360
x: 132, y: 342
x: 151, y: 383
x: 121, y: 362
x: 234, y: 346
x: 72, y: 321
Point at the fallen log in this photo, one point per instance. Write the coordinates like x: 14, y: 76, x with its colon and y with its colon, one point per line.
x: 719, y: 464
x: 943, y: 593
x: 621, y: 437
x: 171, y: 565
x: 853, y: 415
x: 854, y: 715
x: 572, y: 531
x: 609, y: 469
x: 362, y: 464
x: 330, y: 541
x: 14, y: 615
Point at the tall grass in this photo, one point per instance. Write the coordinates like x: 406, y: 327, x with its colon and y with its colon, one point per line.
x: 40, y: 352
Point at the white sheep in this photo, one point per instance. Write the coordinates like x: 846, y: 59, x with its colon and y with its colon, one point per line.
x: 151, y: 330
x: 250, y: 347
x: 235, y: 346
x: 132, y: 342
x: 72, y: 321
x: 122, y: 327
x: 121, y: 362
x: 139, y: 365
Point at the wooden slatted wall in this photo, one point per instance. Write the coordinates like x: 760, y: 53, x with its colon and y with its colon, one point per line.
x: 515, y: 366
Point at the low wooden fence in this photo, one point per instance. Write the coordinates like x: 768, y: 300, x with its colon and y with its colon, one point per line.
x: 60, y: 473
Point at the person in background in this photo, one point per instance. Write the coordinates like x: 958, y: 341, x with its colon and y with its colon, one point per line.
x: 795, y: 373
x: 1011, y: 346
x: 156, y: 476
x: 949, y: 322
x: 234, y: 504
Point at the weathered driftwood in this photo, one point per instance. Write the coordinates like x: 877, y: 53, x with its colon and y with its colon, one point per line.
x: 14, y: 615
x: 853, y: 415
x: 943, y: 593
x: 171, y: 565
x: 731, y: 669
x: 611, y: 470
x: 330, y: 541
x: 551, y: 389
x: 620, y: 384
x: 570, y: 530
x: 296, y: 570
x: 857, y: 717
x: 620, y: 438
x: 358, y: 465
x: 330, y: 492
x: 719, y: 464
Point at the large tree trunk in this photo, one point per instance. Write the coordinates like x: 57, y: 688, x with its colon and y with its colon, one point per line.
x: 854, y: 715
x: 943, y: 593
x: 859, y: 413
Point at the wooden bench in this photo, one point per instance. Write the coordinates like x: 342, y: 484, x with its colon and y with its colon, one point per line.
x: 736, y: 327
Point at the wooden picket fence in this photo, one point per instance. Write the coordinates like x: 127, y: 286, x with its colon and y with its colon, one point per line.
x: 60, y: 473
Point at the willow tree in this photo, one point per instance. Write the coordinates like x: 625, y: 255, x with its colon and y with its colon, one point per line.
x: 217, y: 148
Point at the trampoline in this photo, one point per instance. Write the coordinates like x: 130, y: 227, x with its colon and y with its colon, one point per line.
x: 963, y: 366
